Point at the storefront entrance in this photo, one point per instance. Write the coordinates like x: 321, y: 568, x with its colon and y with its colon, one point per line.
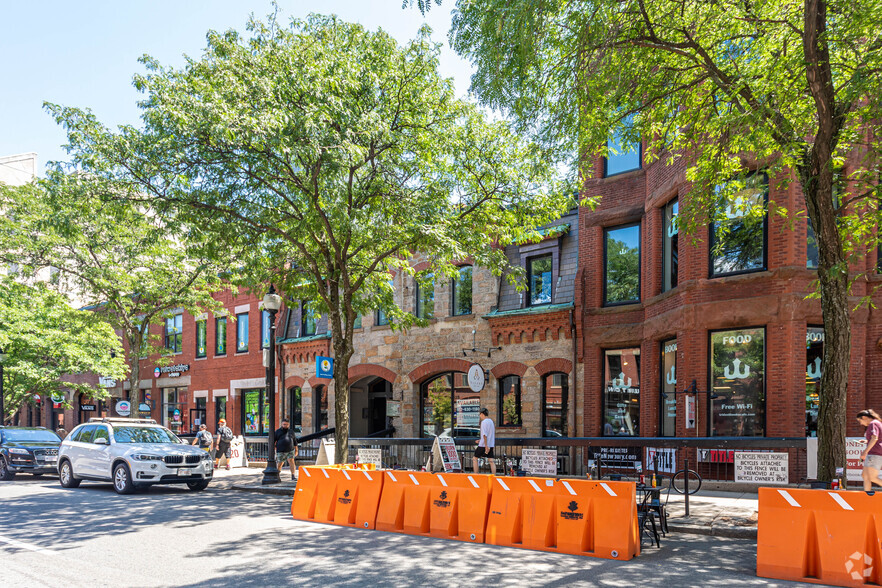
x: 367, y: 406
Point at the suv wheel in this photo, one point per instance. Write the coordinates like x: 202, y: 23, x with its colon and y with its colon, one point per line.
x: 122, y: 479
x: 197, y: 486
x: 66, y: 476
x: 5, y: 474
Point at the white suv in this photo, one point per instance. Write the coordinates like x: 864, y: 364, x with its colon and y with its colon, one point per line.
x: 131, y: 453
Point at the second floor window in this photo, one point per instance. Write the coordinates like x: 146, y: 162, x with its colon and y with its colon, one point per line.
x: 539, y: 270
x: 425, y: 297
x: 462, y: 292
x: 220, y: 335
x: 242, y: 332
x: 621, y: 155
x: 174, y: 333
x: 201, y: 338
x: 622, y: 265
x: 308, y: 322
x: 670, y: 249
x: 738, y: 233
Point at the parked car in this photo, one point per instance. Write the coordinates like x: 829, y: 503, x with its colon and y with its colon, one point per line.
x: 461, y: 432
x: 131, y: 453
x: 27, y: 450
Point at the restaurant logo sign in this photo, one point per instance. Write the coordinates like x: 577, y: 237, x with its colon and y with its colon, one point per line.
x: 173, y: 371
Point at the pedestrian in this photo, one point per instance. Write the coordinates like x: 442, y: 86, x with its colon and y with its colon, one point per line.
x: 203, y: 438
x: 872, y: 455
x: 486, y: 442
x: 224, y: 436
x: 286, y: 446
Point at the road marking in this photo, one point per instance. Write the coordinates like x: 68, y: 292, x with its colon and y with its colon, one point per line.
x: 27, y: 546
x: 786, y: 495
x: 608, y: 489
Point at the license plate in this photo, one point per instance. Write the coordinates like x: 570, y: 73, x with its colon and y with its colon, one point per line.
x: 50, y: 459
x: 184, y: 471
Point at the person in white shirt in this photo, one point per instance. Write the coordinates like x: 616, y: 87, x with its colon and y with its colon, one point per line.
x: 486, y: 442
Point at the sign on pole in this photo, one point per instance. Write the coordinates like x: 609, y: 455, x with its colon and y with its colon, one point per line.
x: 444, y: 456
x: 476, y: 378
x: 760, y: 467
x: 690, y: 412
x: 539, y: 462
x: 324, y: 367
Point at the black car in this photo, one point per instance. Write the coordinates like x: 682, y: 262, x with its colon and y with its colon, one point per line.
x: 27, y: 450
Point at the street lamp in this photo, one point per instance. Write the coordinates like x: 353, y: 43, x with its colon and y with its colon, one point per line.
x: 271, y: 303
x: 2, y: 406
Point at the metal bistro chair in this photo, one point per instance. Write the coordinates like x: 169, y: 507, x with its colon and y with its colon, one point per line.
x: 646, y: 520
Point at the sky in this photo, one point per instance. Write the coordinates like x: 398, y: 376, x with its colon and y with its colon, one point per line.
x: 85, y: 53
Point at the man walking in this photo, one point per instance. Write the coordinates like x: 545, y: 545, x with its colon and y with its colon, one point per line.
x: 486, y: 442
x: 224, y: 438
x: 286, y: 446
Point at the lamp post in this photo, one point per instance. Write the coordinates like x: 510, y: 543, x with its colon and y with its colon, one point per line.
x: 2, y: 405
x: 271, y: 303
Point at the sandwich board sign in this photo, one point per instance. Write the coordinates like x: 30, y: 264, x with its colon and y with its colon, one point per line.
x: 326, y: 452
x: 444, y: 456
x: 238, y: 459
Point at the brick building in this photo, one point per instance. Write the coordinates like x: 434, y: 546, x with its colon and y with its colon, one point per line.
x: 728, y: 311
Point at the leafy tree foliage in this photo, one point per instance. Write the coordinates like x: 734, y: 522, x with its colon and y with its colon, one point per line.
x: 129, y: 264
x: 47, y: 341
x: 327, y: 155
x: 789, y: 87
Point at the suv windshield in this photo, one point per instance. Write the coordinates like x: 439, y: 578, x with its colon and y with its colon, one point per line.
x: 19, y: 435
x: 144, y: 435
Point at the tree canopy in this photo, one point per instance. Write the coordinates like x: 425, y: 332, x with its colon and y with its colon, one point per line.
x: 327, y: 156
x: 725, y: 87
x: 47, y: 341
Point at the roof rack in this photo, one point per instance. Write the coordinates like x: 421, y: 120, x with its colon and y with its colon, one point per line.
x: 112, y: 420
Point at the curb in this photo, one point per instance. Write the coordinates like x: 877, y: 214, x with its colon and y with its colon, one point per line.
x: 274, y: 490
x: 729, y: 532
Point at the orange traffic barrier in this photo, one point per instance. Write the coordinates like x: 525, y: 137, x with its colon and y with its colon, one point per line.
x: 449, y: 506
x: 357, y: 497
x: 820, y: 536
x: 303, y: 503
x: 566, y: 516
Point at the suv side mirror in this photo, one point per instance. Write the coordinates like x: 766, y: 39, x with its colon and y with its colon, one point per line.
x: 101, y: 441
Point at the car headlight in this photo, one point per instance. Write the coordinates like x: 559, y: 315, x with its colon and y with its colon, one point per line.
x: 19, y: 451
x: 146, y: 457
x: 206, y: 456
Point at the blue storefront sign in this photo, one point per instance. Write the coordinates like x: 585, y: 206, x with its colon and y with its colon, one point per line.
x: 324, y: 367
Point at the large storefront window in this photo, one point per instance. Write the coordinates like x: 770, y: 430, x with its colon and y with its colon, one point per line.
x: 814, y: 357
x: 555, y: 392
x: 621, y: 253
x: 738, y: 235
x: 670, y: 247
x: 449, y: 407
x: 621, y: 395
x: 668, y: 400
x: 173, y: 417
x: 509, y: 401
x: 255, y: 412
x: 738, y: 372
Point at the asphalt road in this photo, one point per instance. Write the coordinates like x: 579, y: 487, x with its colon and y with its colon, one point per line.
x: 169, y: 536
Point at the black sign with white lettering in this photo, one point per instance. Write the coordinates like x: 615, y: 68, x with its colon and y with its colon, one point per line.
x: 619, y: 457
x: 87, y: 407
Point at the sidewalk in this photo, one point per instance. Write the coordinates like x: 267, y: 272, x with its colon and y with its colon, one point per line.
x: 722, y: 514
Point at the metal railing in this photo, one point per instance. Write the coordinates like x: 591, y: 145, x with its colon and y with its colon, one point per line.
x: 711, y: 457
x: 257, y: 448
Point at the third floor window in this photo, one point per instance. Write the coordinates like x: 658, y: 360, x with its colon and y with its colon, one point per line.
x: 539, y: 275
x: 425, y: 297
x: 670, y: 249
x: 738, y: 234
x: 621, y: 253
x: 174, y: 333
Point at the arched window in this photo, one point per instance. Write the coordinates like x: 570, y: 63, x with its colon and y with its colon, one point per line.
x: 510, y: 401
x: 555, y: 404
x: 294, y: 408
x: 320, y: 414
x: 448, y: 407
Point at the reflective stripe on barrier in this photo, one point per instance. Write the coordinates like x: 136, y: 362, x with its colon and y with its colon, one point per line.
x: 819, y: 536
x: 570, y: 516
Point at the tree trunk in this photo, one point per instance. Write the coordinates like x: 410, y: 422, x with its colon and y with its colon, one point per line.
x: 135, y: 373
x: 342, y: 355
x: 833, y: 280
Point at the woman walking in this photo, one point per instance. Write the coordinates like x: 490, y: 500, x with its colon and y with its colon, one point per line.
x: 872, y: 455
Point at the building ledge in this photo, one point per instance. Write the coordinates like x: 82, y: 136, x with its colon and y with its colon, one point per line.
x: 530, y: 310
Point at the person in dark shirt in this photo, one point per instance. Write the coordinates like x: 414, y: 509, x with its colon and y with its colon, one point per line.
x: 286, y: 447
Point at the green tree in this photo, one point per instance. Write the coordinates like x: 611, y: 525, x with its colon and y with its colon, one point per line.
x: 330, y: 155
x: 132, y: 266
x: 789, y: 87
x: 47, y: 341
